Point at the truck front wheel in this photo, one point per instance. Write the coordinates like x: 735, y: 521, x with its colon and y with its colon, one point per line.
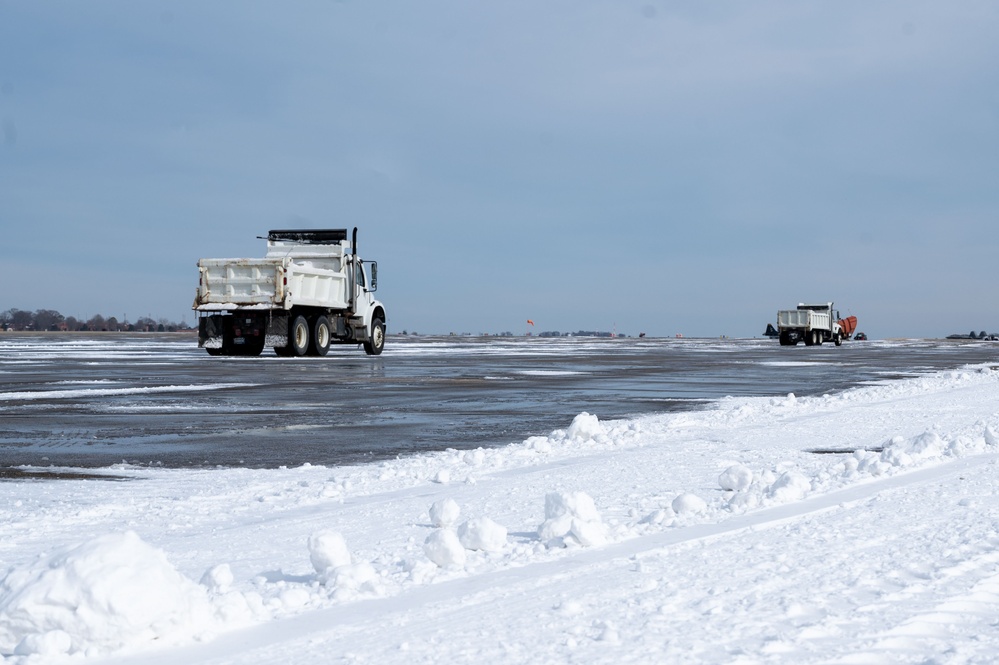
x: 376, y: 343
x: 298, y: 337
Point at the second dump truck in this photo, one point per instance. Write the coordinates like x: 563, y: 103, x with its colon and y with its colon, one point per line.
x: 309, y: 291
x: 813, y: 324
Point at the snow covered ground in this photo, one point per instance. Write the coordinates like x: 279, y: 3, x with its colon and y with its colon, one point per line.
x: 857, y: 527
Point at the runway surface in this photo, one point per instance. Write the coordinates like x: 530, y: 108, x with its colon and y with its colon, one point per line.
x: 93, y: 400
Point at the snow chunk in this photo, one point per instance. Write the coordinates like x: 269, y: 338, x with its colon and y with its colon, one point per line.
x: 474, y: 457
x: 571, y: 517
x: 444, y: 513
x: 902, y: 453
x: 539, y: 444
x: 585, y: 427
x: 218, y: 578
x: 328, y: 550
x: 689, y: 504
x: 46, y: 645
x: 443, y: 548
x: 97, y: 597
x: 360, y: 576
x: 483, y: 534
x: 790, y: 486
x: 735, y: 478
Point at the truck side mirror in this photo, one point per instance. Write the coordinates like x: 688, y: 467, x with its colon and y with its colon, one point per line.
x: 374, y: 275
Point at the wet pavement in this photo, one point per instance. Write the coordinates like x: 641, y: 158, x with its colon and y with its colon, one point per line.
x: 92, y: 400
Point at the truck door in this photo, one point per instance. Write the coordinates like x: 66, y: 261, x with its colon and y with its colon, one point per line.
x: 362, y: 289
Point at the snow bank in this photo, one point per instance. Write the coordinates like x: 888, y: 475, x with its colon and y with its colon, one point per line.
x: 110, y: 592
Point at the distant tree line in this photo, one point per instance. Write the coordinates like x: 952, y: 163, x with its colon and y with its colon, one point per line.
x: 50, y: 319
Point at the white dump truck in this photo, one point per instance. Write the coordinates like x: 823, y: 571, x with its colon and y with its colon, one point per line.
x: 813, y: 325
x: 311, y: 290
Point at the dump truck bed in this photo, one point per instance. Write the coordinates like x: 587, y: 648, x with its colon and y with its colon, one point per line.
x: 272, y: 283
x: 804, y: 318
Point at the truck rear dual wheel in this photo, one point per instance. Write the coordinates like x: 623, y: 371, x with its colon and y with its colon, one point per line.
x: 305, y: 338
x: 319, y: 344
x: 298, y: 336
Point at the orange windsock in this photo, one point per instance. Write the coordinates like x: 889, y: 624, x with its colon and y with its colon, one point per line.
x: 531, y: 322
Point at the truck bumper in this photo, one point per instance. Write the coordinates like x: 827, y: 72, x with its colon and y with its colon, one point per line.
x: 218, y: 330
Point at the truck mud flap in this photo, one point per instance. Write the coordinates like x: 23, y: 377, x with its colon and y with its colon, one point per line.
x: 277, y: 331
x: 210, y: 335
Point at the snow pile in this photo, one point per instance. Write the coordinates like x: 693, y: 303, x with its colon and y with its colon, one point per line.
x: 899, y: 454
x: 108, y: 593
x: 446, y: 547
x: 571, y: 518
x: 336, y: 568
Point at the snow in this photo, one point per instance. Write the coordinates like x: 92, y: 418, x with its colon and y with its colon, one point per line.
x: 107, y: 392
x: 855, y: 527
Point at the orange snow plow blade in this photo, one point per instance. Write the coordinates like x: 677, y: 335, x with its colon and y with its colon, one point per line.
x: 848, y: 325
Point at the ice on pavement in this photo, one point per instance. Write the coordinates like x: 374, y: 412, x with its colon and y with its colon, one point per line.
x: 682, y: 522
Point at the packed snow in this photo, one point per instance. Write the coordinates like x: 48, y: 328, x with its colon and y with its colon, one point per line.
x: 856, y: 527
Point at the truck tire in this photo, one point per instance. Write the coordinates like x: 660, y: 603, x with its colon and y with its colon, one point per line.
x: 376, y: 343
x: 785, y: 339
x: 319, y: 345
x: 298, y: 336
x: 818, y: 338
x: 838, y: 340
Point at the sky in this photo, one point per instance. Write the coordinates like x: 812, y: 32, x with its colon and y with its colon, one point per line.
x: 657, y: 167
